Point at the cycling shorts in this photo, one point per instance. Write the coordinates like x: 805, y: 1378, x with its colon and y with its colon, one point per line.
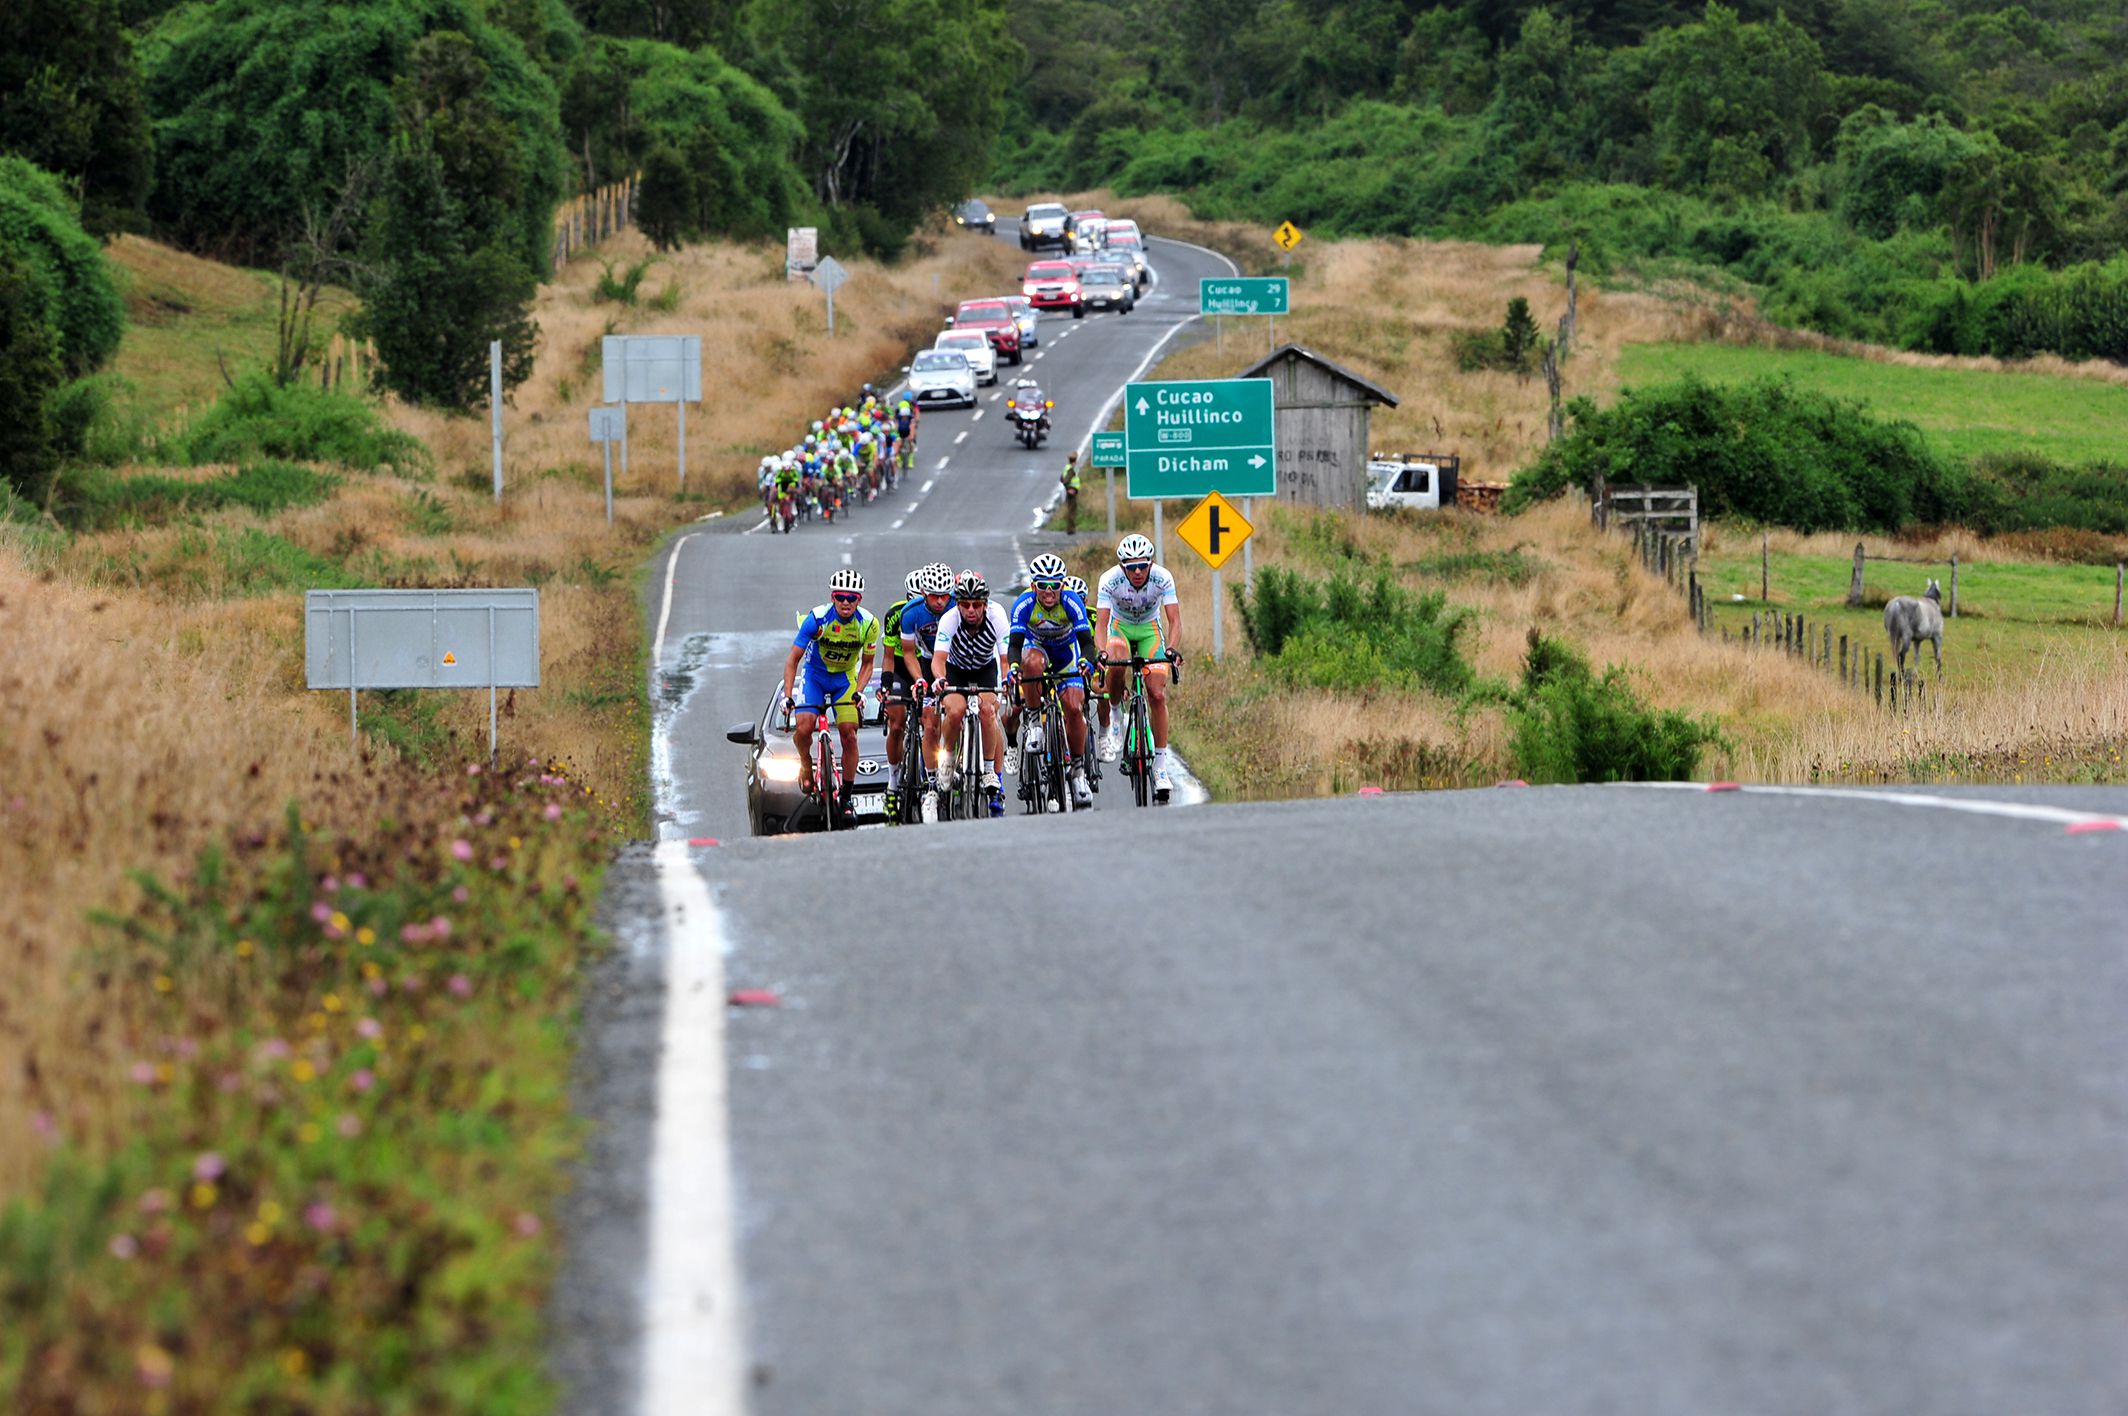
x: 818, y: 691
x: 1063, y: 658
x: 984, y: 678
x: 1147, y: 641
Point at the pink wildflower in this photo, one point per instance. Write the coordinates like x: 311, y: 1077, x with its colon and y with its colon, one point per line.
x: 369, y: 1028
x: 356, y: 880
x: 461, y: 895
x: 378, y: 987
x: 461, y: 986
x: 363, y: 1080
x: 473, y: 769
x: 330, y: 885
x: 349, y: 1125
x: 498, y: 862
x: 209, y: 1166
x: 143, y: 1073
x: 43, y: 1124
x: 321, y: 912
x: 124, y: 1246
x: 462, y: 848
x: 526, y: 1224
x: 440, y: 928
x: 156, y: 1201
x: 273, y: 1049
x: 320, y: 1216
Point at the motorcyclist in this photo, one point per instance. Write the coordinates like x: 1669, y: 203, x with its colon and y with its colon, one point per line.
x: 1027, y: 393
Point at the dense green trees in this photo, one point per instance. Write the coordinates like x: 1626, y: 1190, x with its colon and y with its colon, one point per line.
x: 71, y: 102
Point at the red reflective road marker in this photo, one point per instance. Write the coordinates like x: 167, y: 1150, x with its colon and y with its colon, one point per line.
x: 702, y: 841
x: 1723, y: 787
x: 1370, y: 791
x: 754, y: 998
x: 1511, y: 782
x: 2082, y: 828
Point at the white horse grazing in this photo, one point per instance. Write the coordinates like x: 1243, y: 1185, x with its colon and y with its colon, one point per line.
x: 1909, y: 621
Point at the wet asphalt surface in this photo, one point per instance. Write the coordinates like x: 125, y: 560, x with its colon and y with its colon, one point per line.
x: 1560, y: 1100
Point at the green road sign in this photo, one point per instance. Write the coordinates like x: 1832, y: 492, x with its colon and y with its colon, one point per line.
x: 1107, y: 451
x: 1242, y: 295
x: 1192, y: 437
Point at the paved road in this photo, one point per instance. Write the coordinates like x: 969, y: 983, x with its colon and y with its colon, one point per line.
x: 1562, y: 1100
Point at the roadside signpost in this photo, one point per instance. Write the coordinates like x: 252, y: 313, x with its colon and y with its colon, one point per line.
x: 653, y: 368
x: 801, y: 251
x: 1193, y: 436
x: 1215, y: 530
x: 829, y: 276
x: 357, y: 639
x: 1107, y: 455
x: 609, y: 426
x: 1244, y: 295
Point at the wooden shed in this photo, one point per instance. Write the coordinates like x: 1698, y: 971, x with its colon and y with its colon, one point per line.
x: 1322, y: 426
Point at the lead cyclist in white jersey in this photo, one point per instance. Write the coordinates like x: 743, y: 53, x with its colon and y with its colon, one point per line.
x: 1136, y: 613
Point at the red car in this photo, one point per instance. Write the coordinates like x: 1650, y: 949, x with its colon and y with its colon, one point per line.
x: 1054, y: 285
x: 993, y: 318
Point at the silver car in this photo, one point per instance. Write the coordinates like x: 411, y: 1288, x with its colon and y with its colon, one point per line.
x: 1109, y: 287
x: 1027, y: 318
x: 941, y: 377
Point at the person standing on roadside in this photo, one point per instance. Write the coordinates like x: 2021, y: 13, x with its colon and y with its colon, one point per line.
x: 1070, y: 482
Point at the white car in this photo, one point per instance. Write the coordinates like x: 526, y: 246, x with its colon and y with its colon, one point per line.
x: 976, y: 345
x: 941, y: 376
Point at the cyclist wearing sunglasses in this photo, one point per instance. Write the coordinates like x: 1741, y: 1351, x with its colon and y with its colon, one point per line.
x: 970, y: 659
x: 1051, y: 635
x: 836, y: 643
x: 1138, y: 614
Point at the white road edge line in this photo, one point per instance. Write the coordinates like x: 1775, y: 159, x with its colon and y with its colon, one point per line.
x: 693, y: 1353
x: 2022, y: 811
x: 672, y: 568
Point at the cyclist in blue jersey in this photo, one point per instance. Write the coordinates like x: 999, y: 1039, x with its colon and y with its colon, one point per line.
x: 1050, y: 634
x: 836, y: 643
x: 919, y: 636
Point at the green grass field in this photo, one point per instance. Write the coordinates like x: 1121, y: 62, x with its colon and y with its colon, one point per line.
x: 1962, y: 412
x: 2013, y: 615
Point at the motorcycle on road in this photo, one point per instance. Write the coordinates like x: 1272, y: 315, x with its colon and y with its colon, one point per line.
x: 1028, y: 413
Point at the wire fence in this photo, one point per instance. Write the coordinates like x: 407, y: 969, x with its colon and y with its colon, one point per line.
x: 582, y: 222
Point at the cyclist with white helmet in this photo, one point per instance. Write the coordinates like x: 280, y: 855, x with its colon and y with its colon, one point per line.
x: 835, y: 642
x: 1137, y: 613
x: 894, y: 683
x: 969, y: 658
x: 1051, y: 635
x: 920, y: 619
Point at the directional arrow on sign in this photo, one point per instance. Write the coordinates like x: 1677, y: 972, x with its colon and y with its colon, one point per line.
x: 1143, y: 406
x: 1256, y: 461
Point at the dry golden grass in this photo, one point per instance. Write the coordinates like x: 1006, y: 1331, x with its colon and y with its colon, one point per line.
x: 154, y: 700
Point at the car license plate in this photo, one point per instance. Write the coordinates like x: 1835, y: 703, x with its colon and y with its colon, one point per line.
x: 868, y: 804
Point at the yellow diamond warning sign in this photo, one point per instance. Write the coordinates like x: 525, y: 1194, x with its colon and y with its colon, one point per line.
x: 1215, y: 530
x: 1287, y: 235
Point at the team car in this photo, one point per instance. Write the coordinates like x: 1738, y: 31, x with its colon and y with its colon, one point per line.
x: 939, y: 377
x: 774, y: 805
x: 976, y: 345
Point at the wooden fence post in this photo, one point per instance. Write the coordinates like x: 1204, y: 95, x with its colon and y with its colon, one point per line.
x: 1878, y: 672
x: 1854, y: 583
x: 1843, y: 658
x: 2120, y: 569
x: 1762, y: 566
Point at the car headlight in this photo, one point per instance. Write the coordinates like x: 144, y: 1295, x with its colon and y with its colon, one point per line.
x: 780, y: 769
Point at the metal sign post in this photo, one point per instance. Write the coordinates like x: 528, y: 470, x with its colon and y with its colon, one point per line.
x: 609, y: 426
x: 829, y: 276
x: 357, y: 639
x: 495, y: 409
x: 1214, y: 529
x: 1107, y: 454
x: 653, y: 368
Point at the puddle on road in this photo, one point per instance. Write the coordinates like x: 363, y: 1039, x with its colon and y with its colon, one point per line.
x: 673, y: 690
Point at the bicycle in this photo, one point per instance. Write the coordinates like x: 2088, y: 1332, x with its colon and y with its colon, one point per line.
x: 962, y: 797
x: 919, y: 794
x: 1137, y: 759
x: 833, y: 812
x: 1045, y: 749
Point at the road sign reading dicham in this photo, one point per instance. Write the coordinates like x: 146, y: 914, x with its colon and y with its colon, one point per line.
x: 1191, y: 437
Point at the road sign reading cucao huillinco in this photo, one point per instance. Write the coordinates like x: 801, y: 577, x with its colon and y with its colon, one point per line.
x: 1242, y: 295
x: 1190, y: 437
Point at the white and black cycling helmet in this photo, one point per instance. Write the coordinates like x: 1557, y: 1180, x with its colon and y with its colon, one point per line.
x: 1135, y: 550
x: 846, y: 582
x: 971, y: 586
x: 913, y: 582
x: 938, y: 579
x: 1075, y: 585
x: 1046, y: 567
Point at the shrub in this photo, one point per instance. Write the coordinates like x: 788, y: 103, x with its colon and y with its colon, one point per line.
x: 95, y: 499
x: 1356, y: 635
x: 1568, y: 725
x: 1765, y: 450
x: 261, y: 419
x: 70, y: 282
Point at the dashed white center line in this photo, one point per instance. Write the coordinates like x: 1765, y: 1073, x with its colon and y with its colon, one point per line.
x: 927, y: 486
x: 845, y: 557
x: 944, y: 460
x: 962, y: 438
x: 979, y: 414
x: 897, y: 523
x: 1038, y: 356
